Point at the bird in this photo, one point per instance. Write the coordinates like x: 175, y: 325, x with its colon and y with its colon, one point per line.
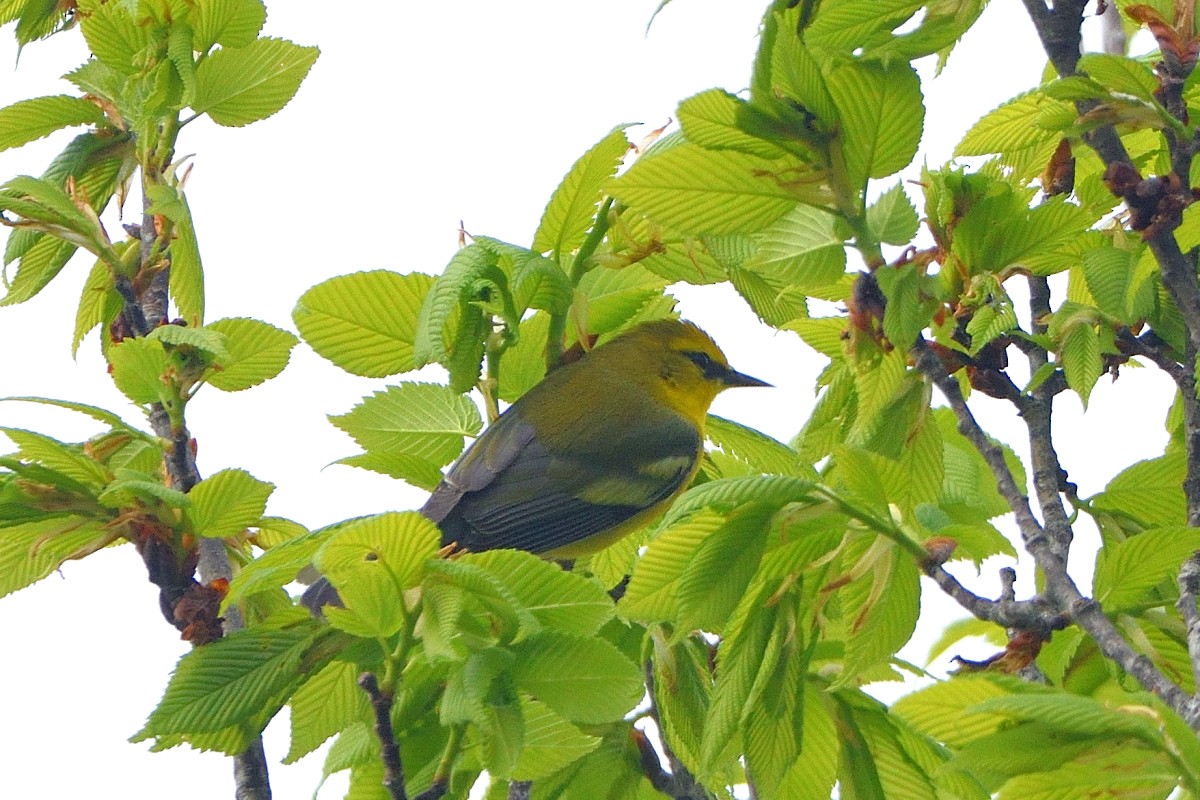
x: 597, y: 449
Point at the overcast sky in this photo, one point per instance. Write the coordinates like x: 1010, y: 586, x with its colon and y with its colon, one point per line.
x: 413, y: 119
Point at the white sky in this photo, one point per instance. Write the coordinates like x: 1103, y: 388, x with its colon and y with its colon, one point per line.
x: 426, y: 114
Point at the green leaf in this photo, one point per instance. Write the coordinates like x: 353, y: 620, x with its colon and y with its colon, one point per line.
x: 812, y: 775
x: 32, y: 550
x: 715, y: 578
x: 802, y: 248
x: 326, y: 704
x: 941, y: 710
x: 756, y: 448
x: 227, y: 502
x: 848, y: 25
x: 550, y: 742
x: 39, y: 265
x: 711, y: 119
x: 278, y: 566
x: 231, y: 23
x: 882, y: 115
x: 1009, y: 127
x: 471, y: 275
x: 69, y: 460
x: 1149, y: 491
x: 881, y: 609
x: 584, y: 679
x: 138, y: 367
x: 892, y: 219
x: 209, y: 345
x: 907, y: 312
x: 650, y: 595
x: 187, y: 271
x: 572, y: 207
x: 1081, y: 360
x: 1128, y: 573
x: 255, y: 352
x: 614, y: 296
x: 246, y: 675
x: 697, y: 191
x: 239, y: 85
x: 411, y: 430
x: 557, y: 599
x: 796, y: 73
x: 536, y: 281
x: 27, y: 120
x: 99, y: 303
x: 1120, y: 74
x: 113, y: 35
x: 364, y: 322
x: 371, y: 563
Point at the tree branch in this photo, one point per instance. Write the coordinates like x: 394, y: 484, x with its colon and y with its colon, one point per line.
x: 1189, y: 589
x: 381, y: 705
x: 1035, y: 614
x: 1060, y: 587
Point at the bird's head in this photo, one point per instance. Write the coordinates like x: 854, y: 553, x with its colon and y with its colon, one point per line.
x: 685, y: 368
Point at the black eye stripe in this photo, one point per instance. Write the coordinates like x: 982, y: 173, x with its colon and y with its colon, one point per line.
x: 710, y: 368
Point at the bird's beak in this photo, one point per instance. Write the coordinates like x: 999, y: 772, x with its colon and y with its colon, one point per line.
x: 734, y: 378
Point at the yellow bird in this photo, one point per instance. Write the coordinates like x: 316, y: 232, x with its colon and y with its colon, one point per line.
x: 597, y: 449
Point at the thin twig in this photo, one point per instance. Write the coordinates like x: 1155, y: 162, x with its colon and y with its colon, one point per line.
x: 1028, y: 615
x: 389, y: 749
x: 1189, y: 589
x: 1060, y: 587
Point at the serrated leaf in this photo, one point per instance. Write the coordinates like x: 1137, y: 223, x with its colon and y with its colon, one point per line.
x: 550, y: 742
x: 882, y: 115
x: 326, y: 704
x: 708, y: 192
x: 852, y: 24
x: 32, y: 550
x: 274, y: 568
x: 1012, y: 126
x: 569, y: 214
x: 1120, y: 73
x: 138, y: 367
x: 113, y: 35
x: 721, y: 567
x: 254, y: 352
x: 227, y: 502
x: 187, y: 271
x: 99, y: 303
x: 557, y: 599
x: 756, y: 448
x: 1081, y: 360
x: 28, y: 120
x: 711, y: 119
x: 208, y: 344
x: 941, y: 710
x: 231, y: 23
x: 1129, y: 572
x: 364, y: 322
x: 802, y: 248
x: 651, y: 593
x: 236, y: 86
x: 892, y: 219
x: 583, y: 679
x: 69, y: 460
x: 422, y: 422
x: 881, y: 610
x: 230, y: 681
x: 371, y: 563
x: 1150, y: 491
x: 796, y: 73
x: 39, y: 265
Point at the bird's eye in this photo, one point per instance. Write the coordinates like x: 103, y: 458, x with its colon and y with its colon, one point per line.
x: 709, y: 367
